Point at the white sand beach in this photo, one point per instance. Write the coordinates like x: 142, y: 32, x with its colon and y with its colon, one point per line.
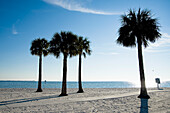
x: 110, y: 100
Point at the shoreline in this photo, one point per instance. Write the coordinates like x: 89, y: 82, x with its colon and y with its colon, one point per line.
x: 93, y: 100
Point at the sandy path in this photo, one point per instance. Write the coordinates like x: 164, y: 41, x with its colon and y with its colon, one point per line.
x: 111, y: 99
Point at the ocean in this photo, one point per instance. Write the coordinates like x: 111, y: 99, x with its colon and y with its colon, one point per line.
x: 56, y: 84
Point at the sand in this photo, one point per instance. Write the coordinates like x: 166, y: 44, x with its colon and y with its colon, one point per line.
x: 101, y: 100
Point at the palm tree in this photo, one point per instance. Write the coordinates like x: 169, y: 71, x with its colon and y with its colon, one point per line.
x: 39, y: 47
x: 83, y: 47
x: 63, y: 43
x: 137, y: 30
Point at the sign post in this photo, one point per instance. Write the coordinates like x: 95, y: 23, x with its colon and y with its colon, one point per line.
x: 157, y: 80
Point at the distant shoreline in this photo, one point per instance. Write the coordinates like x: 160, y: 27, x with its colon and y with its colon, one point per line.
x: 74, y: 84
x: 60, y: 81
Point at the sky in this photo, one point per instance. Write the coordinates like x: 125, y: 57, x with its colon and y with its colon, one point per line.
x: 22, y: 21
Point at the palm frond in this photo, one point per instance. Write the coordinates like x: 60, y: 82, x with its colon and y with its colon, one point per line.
x: 63, y: 42
x: 83, y: 46
x: 39, y: 46
x: 139, y: 26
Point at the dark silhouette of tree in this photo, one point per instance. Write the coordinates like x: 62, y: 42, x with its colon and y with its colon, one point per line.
x: 83, y: 48
x: 64, y: 43
x: 39, y: 47
x: 137, y: 30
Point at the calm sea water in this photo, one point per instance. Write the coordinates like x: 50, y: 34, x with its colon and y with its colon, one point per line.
x: 54, y: 84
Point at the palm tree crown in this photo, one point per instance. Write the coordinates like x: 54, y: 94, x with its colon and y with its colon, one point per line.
x: 83, y: 46
x: 39, y: 47
x: 63, y: 42
x: 138, y: 27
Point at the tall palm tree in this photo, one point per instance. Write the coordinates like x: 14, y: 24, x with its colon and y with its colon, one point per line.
x: 139, y: 29
x: 64, y: 43
x: 39, y: 47
x: 83, y: 47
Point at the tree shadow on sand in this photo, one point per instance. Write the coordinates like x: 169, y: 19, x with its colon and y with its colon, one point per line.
x: 2, y: 103
x: 144, y: 106
x: 26, y: 100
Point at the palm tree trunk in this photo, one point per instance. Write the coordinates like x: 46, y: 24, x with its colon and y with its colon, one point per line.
x: 80, y: 84
x: 64, y: 83
x: 143, y: 90
x: 40, y: 74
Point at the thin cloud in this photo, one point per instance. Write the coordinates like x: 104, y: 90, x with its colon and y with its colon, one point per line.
x: 14, y: 31
x: 72, y: 5
x: 153, y: 50
x: 165, y: 35
x: 107, y: 53
x: 163, y: 41
x: 114, y: 53
x: 160, y: 45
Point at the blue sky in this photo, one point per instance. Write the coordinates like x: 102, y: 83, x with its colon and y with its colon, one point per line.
x: 25, y: 20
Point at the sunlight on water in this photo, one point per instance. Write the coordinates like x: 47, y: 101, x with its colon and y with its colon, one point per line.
x: 149, y: 84
x: 153, y: 84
